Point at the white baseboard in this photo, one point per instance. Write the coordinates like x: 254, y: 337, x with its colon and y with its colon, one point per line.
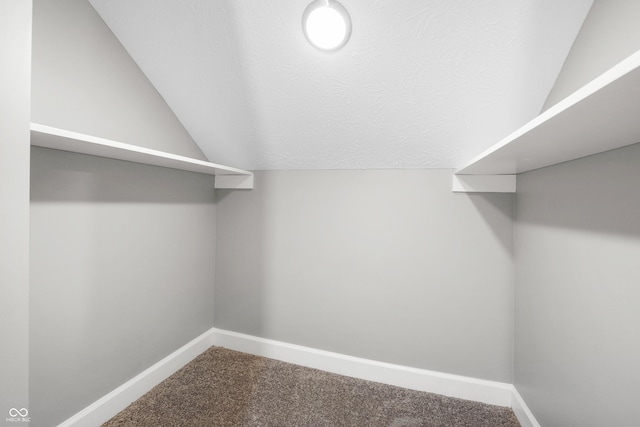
x: 520, y: 408
x: 108, y: 406
x: 490, y: 392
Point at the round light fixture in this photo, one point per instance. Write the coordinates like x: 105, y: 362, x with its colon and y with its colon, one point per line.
x: 326, y: 24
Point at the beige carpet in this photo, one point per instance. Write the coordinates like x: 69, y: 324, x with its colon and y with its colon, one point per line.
x: 227, y: 388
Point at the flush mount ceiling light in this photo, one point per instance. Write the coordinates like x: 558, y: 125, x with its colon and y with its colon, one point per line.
x: 326, y: 24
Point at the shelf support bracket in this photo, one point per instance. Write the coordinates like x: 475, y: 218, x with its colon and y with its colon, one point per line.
x: 234, y: 182
x: 484, y: 183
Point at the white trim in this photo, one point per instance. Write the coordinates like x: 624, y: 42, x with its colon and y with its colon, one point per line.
x: 491, y: 392
x: 108, y: 406
x: 520, y: 408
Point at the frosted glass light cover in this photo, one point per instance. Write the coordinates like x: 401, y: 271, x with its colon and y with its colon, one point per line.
x: 326, y: 24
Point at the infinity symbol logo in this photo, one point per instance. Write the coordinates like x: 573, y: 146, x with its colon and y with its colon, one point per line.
x: 13, y: 412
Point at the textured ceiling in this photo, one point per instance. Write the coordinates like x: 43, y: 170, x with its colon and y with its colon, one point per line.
x: 420, y: 84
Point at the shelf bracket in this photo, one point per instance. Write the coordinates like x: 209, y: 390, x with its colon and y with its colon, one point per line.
x: 234, y: 182
x: 484, y: 183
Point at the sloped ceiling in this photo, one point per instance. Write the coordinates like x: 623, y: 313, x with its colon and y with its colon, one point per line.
x: 420, y: 84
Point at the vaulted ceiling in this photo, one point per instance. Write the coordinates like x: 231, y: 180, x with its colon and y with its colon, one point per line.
x: 420, y: 84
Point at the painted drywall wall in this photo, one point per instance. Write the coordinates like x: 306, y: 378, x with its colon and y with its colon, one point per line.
x: 577, y: 341
x: 122, y: 255
x: 387, y: 265
x: 122, y: 271
x: 609, y: 34
x: 577, y: 240
x: 15, y: 65
x: 84, y: 81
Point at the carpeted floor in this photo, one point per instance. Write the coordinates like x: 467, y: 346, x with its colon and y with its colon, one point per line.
x: 227, y: 388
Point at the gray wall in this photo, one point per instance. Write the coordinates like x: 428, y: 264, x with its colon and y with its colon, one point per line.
x: 577, y: 342
x: 609, y: 34
x: 577, y: 248
x: 122, y: 271
x: 122, y: 255
x: 387, y: 265
x: 84, y: 81
x: 15, y: 64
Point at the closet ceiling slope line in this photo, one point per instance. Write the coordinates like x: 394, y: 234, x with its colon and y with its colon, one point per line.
x: 600, y: 116
x: 65, y: 140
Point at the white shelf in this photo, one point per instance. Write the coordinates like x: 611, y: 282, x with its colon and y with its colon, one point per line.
x: 60, y: 139
x: 601, y: 116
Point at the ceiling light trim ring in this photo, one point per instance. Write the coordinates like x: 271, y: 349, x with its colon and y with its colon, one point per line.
x: 321, y: 25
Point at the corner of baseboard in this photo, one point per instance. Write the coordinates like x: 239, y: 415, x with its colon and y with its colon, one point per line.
x: 522, y: 411
x: 491, y: 392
